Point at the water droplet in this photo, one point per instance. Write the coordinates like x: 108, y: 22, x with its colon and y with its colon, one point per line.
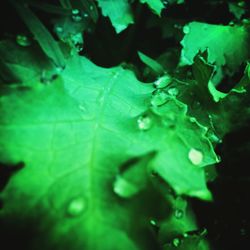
x: 159, y: 98
x: 76, y: 15
x: 76, y: 207
x: 144, y: 122
x: 213, y: 137
x: 85, y: 15
x: 91, y: 7
x: 59, y: 70
x: 176, y: 242
x: 153, y: 222
x: 178, y: 213
x: 192, y: 119
x: 77, y: 41
x: 79, y: 47
x: 155, y: 225
x: 241, y: 4
x: 48, y: 76
x: 195, y: 156
x: 163, y: 81
x: 170, y: 120
x: 178, y: 26
x: 173, y: 91
x: 186, y: 29
x: 59, y: 29
x: 23, y: 40
x: 165, y: 3
x: 124, y: 188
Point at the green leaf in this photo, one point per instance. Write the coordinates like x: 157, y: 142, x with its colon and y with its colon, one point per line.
x: 156, y: 5
x: 236, y: 9
x: 75, y: 133
x: 119, y: 13
x: 153, y: 64
x: 44, y: 38
x: 227, y: 45
x: 18, y: 62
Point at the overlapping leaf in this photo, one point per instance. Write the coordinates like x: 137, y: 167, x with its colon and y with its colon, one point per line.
x: 227, y: 45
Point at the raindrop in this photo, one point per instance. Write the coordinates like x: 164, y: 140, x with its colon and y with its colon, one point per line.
x: 178, y: 26
x: 144, y: 122
x: 124, y: 188
x: 195, y: 156
x: 241, y: 4
x: 155, y: 225
x: 85, y: 15
x: 76, y: 15
x: 170, y: 120
x: 91, y: 7
x: 165, y: 3
x: 178, y: 213
x: 59, y: 29
x: 159, y: 98
x: 176, y: 242
x: 186, y: 29
x: 23, y: 40
x: 79, y: 47
x: 173, y: 91
x: 163, y: 81
x: 77, y: 41
x: 192, y: 119
x: 47, y: 77
x: 76, y: 207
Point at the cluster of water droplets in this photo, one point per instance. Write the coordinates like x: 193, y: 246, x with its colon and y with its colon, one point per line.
x: 144, y: 122
x: 23, y: 40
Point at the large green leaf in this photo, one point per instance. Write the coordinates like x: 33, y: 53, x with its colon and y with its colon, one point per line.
x: 119, y: 13
x: 227, y: 45
x: 75, y: 133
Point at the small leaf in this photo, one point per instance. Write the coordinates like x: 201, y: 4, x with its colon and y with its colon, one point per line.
x: 155, y: 5
x: 119, y: 13
x: 153, y: 64
x: 226, y: 45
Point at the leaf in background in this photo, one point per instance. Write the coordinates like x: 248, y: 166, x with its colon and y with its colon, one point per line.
x: 151, y: 63
x: 119, y: 13
x: 44, y: 38
x: 156, y: 5
x: 237, y: 9
x: 226, y: 45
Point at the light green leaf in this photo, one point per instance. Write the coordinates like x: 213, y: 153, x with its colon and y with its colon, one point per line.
x: 75, y: 133
x: 156, y: 5
x: 119, y: 13
x: 226, y: 45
